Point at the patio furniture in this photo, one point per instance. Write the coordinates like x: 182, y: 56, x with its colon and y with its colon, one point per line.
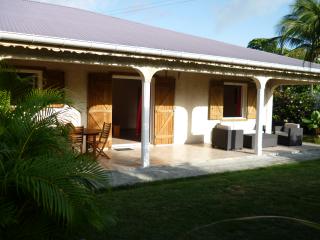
x: 290, y: 134
x: 98, y: 147
x: 76, y: 137
x: 225, y: 138
x: 91, y: 136
x: 268, y: 140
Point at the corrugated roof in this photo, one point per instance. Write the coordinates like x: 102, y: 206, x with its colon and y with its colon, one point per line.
x: 41, y: 19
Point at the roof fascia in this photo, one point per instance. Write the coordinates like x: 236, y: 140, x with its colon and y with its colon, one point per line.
x: 64, y: 42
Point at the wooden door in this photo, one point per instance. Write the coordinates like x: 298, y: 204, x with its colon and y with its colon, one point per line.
x: 164, y: 110
x: 99, y: 101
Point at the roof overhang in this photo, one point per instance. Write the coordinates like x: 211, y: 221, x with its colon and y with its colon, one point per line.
x: 98, y: 46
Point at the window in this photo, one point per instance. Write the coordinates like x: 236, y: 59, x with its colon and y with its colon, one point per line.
x: 234, y: 96
x: 28, y: 79
x: 232, y: 101
x: 228, y: 100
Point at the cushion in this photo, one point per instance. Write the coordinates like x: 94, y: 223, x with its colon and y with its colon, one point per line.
x: 291, y: 125
x: 223, y: 127
x: 281, y: 133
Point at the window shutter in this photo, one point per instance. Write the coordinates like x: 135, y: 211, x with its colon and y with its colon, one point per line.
x: 53, y: 79
x: 164, y: 110
x: 252, y: 101
x: 216, y: 100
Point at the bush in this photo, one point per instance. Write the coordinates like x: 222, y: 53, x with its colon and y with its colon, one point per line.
x: 292, y: 104
x: 46, y: 190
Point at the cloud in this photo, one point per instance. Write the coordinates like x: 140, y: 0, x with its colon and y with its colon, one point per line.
x: 236, y: 11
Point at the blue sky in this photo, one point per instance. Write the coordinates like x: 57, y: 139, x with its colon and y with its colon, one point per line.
x: 232, y: 21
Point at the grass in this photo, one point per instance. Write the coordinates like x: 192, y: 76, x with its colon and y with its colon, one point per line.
x: 169, y: 209
x: 311, y: 139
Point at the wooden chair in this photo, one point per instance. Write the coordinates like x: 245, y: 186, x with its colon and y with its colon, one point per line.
x: 103, y: 140
x: 76, y: 137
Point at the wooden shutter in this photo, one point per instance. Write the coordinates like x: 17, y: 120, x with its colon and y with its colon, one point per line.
x: 99, y: 101
x: 164, y: 110
x: 252, y: 101
x: 53, y: 79
x: 216, y: 100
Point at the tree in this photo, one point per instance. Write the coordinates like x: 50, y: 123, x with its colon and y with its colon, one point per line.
x: 292, y: 104
x: 265, y: 44
x: 301, y: 28
x: 46, y: 190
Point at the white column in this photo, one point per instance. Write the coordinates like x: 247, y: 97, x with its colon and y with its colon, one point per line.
x: 269, y: 114
x: 146, y: 74
x: 261, y: 83
x: 269, y: 108
x: 145, y: 123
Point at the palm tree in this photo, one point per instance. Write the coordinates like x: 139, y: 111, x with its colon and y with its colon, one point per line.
x: 46, y: 190
x: 301, y: 28
x: 264, y: 44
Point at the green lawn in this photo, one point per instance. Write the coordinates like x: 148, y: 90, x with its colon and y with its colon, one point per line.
x: 311, y: 139
x: 168, y: 209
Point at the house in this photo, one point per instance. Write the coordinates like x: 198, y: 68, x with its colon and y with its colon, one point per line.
x: 115, y: 69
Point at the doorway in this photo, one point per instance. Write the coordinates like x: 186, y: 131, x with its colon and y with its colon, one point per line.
x: 126, y: 110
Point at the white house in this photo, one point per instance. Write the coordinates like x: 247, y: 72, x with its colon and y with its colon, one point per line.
x: 113, y: 69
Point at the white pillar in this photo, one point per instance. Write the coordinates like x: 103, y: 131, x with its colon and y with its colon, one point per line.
x: 260, y: 83
x: 145, y: 123
x: 269, y: 114
x: 269, y: 108
x: 146, y: 74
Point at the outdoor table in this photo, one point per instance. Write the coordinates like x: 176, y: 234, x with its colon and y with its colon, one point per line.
x: 91, y: 133
x: 268, y: 140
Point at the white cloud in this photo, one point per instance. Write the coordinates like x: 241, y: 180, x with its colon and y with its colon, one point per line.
x: 236, y: 11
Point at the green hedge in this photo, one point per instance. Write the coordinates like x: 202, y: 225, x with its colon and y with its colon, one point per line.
x: 292, y: 103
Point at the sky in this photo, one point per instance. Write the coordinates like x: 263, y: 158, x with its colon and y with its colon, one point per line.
x: 232, y: 21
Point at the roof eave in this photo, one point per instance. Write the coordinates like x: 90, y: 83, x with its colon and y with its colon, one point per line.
x: 64, y: 42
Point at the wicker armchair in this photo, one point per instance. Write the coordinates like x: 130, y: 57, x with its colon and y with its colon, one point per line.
x: 225, y: 138
x: 289, y: 135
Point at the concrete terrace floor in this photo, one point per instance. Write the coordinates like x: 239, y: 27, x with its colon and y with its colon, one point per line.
x: 178, y: 161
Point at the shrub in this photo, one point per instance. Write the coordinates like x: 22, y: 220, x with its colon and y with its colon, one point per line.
x: 292, y: 104
x: 46, y: 190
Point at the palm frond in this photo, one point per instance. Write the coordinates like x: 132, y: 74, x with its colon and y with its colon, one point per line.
x: 301, y: 28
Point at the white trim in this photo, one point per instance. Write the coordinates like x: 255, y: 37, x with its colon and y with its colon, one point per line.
x: 65, y: 42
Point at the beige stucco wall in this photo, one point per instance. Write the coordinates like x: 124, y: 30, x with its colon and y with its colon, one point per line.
x: 75, y: 84
x: 191, y: 124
